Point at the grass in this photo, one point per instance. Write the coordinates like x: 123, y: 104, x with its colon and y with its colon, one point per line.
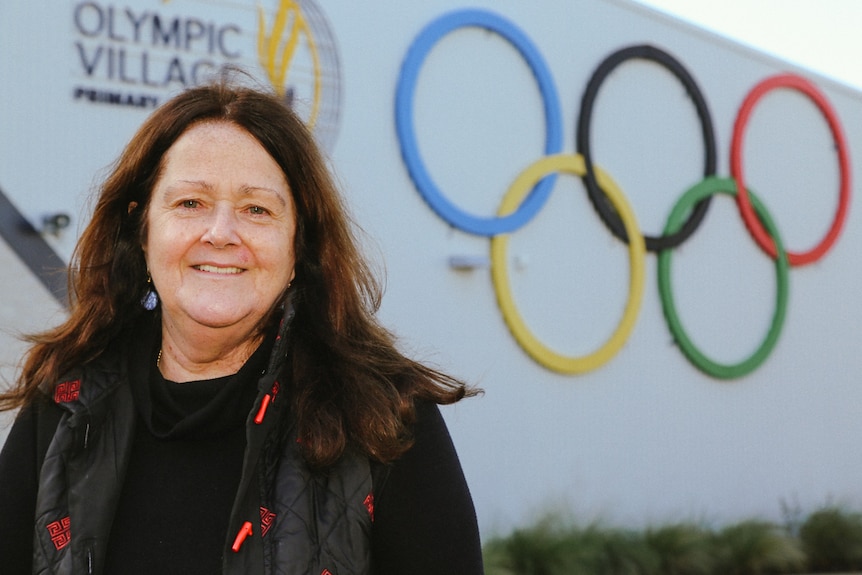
x: 832, y: 540
x: 827, y: 541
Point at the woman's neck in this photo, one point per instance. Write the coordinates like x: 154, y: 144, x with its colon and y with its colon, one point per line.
x: 192, y: 357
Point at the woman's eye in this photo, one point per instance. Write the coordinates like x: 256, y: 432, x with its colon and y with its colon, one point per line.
x: 191, y: 204
x: 258, y: 211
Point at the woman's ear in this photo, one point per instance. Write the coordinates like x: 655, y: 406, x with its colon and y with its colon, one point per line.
x: 132, y: 207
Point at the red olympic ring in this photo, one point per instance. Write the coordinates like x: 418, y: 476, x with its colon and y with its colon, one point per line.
x: 752, y: 222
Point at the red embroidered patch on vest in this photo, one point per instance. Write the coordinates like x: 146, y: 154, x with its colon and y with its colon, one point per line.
x: 267, y: 518
x: 369, y: 505
x: 326, y: 572
x: 67, y: 391
x: 60, y: 533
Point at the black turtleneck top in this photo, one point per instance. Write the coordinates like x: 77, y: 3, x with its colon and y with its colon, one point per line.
x: 187, y: 456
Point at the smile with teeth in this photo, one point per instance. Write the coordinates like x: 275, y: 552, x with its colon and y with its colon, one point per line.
x: 218, y: 270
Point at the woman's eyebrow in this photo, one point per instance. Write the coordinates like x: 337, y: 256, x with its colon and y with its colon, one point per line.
x: 182, y: 185
x: 249, y: 189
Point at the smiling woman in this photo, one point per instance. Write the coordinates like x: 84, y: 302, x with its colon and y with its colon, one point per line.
x: 222, y: 398
x: 219, y: 248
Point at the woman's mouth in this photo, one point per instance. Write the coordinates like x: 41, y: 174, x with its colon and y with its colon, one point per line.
x: 218, y: 270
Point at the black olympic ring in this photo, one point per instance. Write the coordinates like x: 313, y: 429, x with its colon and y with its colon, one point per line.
x: 598, y: 198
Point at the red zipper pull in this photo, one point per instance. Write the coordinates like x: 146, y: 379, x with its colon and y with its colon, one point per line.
x: 264, y: 403
x: 245, y: 531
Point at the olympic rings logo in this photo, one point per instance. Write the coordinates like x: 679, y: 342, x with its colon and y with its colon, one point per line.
x: 531, y: 189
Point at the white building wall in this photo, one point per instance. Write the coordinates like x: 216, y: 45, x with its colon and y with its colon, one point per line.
x: 645, y: 437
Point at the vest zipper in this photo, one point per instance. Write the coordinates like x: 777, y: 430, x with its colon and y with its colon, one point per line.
x: 244, y: 532
x: 261, y: 412
x: 264, y: 403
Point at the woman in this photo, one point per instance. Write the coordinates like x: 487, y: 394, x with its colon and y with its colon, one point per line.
x: 221, y: 398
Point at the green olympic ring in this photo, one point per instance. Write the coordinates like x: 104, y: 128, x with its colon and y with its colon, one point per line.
x: 705, y: 189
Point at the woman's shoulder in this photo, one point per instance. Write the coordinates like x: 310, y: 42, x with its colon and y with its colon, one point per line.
x: 429, y: 424
x: 431, y: 454
x: 41, y: 410
x: 20, y: 460
x: 34, y: 426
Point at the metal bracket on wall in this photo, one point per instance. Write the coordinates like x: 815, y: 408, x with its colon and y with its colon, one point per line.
x: 29, y: 245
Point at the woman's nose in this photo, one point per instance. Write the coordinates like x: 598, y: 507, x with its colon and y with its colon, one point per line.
x: 222, y: 227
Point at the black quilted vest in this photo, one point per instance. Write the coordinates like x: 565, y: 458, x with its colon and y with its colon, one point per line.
x: 286, y: 519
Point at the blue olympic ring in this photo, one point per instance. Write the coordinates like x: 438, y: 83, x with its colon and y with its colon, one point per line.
x: 432, y: 194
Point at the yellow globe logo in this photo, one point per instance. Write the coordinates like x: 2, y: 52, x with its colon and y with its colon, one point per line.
x: 297, y: 52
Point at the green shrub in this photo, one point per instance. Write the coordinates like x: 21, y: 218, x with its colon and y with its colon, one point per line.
x: 683, y: 549
x: 832, y: 540
x: 539, y: 550
x: 756, y: 548
x: 550, y: 548
x: 603, y: 551
x: 828, y: 541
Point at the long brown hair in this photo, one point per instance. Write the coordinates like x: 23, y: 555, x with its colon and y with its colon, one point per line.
x: 351, y: 385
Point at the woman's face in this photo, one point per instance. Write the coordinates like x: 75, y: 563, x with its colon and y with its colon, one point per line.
x: 220, y: 230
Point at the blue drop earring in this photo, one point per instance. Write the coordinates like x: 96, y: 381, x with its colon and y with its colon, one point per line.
x: 151, y: 298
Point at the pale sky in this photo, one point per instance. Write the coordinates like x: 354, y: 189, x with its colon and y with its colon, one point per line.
x: 821, y: 35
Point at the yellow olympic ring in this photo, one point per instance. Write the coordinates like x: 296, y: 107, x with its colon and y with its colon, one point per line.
x: 573, y: 164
